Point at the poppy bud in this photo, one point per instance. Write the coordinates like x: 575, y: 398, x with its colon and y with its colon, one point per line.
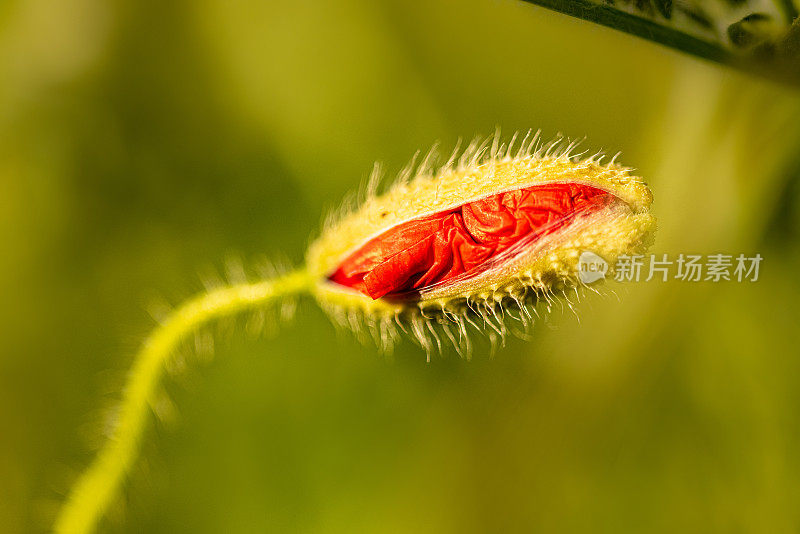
x: 498, y: 230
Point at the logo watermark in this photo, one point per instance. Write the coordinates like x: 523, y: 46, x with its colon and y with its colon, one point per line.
x: 591, y: 267
x: 684, y: 267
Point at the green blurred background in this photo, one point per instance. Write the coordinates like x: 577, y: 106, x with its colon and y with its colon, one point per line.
x: 142, y: 142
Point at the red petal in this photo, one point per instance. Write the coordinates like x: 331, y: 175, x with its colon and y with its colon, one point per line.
x: 439, y: 247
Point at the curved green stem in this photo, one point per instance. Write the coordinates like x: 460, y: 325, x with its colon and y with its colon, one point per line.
x: 92, y: 493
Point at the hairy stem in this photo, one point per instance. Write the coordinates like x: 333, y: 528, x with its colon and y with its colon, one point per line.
x: 95, y: 489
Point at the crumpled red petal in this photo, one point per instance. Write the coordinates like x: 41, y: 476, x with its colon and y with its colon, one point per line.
x: 442, y: 246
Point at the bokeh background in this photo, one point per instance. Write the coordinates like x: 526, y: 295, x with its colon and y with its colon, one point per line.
x: 142, y: 143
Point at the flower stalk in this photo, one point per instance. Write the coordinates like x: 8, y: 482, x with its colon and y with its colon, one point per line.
x: 100, y: 483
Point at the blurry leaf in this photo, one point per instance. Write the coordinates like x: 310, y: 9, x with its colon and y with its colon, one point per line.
x: 664, y: 7
x: 753, y: 35
x: 751, y: 30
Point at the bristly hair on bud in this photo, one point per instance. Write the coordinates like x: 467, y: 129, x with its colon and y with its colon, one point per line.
x: 477, y: 242
x: 472, y: 244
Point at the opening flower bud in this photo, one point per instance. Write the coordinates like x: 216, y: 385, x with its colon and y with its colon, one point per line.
x: 501, y: 227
